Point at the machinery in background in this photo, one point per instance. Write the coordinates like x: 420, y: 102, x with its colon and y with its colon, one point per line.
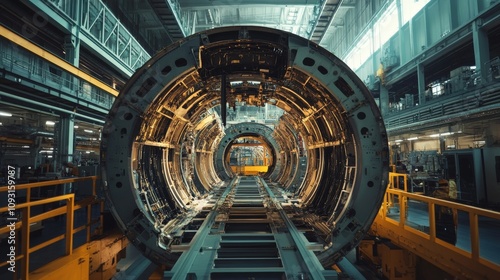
x: 475, y: 172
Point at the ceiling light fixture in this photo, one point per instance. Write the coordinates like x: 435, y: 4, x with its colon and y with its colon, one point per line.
x: 5, y: 114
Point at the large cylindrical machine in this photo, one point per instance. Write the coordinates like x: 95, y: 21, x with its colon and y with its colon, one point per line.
x: 163, y: 133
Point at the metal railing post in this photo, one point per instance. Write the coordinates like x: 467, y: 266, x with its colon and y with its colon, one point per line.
x: 70, y: 215
x: 25, y: 232
x: 474, y: 235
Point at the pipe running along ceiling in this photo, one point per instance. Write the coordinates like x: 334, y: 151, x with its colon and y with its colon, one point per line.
x: 160, y: 145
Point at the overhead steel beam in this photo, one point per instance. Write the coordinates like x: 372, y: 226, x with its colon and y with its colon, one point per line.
x: 44, y: 107
x: 98, y: 44
x: 208, y: 4
x: 63, y: 64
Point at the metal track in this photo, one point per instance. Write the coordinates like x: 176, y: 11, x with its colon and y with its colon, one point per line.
x: 247, y: 235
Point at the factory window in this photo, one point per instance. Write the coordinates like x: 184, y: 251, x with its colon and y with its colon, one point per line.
x: 387, y: 25
x: 410, y: 8
x: 361, y: 52
x: 374, y: 39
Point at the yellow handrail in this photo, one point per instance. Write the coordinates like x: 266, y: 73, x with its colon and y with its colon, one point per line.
x: 19, y: 40
x: 26, y: 219
x: 457, y: 261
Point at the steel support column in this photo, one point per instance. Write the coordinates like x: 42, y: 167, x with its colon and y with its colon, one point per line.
x: 481, y: 49
x: 421, y: 83
x: 384, y: 100
x: 65, y: 138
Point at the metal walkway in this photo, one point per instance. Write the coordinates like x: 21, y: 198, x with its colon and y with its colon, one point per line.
x: 247, y: 235
x: 408, y: 220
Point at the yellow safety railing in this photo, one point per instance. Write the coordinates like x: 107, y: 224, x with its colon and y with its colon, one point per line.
x: 19, y: 40
x: 454, y: 260
x: 26, y: 218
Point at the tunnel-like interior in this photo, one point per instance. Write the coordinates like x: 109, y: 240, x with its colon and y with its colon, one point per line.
x: 247, y: 134
x: 167, y: 142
